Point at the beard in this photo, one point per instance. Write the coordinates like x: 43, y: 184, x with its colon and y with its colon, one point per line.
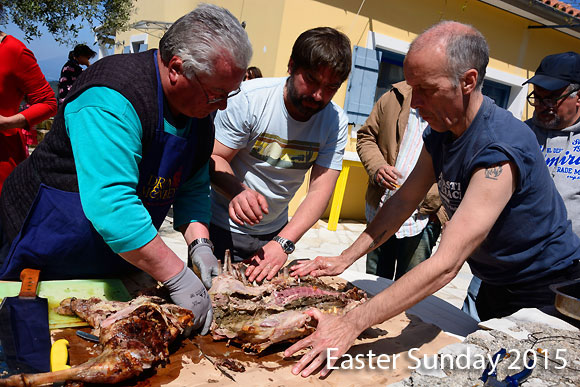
x: 297, y: 101
x: 551, y: 121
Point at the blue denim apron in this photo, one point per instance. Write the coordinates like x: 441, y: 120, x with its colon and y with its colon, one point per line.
x: 59, y: 240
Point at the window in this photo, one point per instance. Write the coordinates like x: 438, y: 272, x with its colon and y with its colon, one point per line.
x: 138, y: 43
x: 497, y: 91
x: 375, y: 70
x: 139, y: 46
x: 390, y: 72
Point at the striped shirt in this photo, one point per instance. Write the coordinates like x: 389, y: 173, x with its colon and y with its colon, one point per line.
x: 409, y: 152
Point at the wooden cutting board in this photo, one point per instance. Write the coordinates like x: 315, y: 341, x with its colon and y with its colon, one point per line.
x: 188, y: 367
x: 56, y: 291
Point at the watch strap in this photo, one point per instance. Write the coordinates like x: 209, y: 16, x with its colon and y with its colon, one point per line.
x: 284, y: 242
x: 200, y: 241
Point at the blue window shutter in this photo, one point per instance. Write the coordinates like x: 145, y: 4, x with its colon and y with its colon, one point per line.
x: 362, y: 84
x: 126, y: 50
x: 143, y: 47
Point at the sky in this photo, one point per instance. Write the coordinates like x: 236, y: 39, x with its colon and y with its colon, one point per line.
x: 50, y: 54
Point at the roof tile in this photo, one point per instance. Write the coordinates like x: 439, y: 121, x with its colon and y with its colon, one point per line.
x: 564, y: 7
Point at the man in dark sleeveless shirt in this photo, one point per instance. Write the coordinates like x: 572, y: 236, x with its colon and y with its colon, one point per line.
x: 507, y: 219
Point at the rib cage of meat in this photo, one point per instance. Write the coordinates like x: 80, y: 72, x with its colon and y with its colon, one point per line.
x: 134, y: 336
x: 257, y: 316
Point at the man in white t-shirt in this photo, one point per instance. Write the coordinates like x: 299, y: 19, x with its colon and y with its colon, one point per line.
x: 270, y: 135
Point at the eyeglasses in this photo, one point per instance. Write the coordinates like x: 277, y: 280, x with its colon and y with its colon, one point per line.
x: 549, y: 102
x: 215, y: 100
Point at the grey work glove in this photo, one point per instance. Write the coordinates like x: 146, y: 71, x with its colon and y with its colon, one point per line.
x: 205, y: 264
x: 187, y: 291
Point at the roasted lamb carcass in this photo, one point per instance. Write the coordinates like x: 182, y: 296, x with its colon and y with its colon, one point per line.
x: 257, y: 316
x: 134, y: 336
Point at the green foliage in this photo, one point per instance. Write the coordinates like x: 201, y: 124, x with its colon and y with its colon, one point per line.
x: 65, y: 18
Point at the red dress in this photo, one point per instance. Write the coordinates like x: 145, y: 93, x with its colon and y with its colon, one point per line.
x: 20, y: 76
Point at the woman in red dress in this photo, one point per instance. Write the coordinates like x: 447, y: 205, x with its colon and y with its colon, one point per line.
x: 20, y: 76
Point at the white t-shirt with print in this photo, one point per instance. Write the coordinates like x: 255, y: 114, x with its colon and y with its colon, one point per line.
x: 275, y: 151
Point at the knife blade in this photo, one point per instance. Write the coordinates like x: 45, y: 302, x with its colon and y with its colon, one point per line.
x: 219, y: 367
x: 88, y: 336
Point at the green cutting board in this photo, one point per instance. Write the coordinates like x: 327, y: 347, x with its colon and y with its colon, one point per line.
x: 56, y: 291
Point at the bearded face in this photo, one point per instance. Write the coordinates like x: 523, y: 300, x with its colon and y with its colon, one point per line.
x: 305, y: 104
x: 558, y: 109
x: 309, y: 91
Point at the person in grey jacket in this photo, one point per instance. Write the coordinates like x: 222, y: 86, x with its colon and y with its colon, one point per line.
x: 556, y: 123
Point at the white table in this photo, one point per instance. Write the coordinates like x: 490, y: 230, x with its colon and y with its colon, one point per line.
x: 432, y: 310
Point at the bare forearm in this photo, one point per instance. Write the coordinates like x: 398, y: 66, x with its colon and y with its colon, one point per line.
x: 322, y: 183
x: 223, y: 178
x: 458, y: 242
x: 421, y: 282
x: 15, y: 121
x: 386, y: 222
x: 395, y: 210
x: 194, y: 230
x: 308, y: 213
x: 156, y: 259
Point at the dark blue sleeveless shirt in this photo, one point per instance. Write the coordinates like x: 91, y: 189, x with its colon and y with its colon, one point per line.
x: 532, y: 236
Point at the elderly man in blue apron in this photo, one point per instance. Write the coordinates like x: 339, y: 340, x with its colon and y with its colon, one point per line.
x: 132, y: 138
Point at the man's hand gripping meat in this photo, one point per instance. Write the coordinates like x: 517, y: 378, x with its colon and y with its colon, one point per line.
x: 187, y: 291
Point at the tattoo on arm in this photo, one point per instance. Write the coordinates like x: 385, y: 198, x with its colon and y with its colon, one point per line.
x: 493, y: 172
x: 377, y: 241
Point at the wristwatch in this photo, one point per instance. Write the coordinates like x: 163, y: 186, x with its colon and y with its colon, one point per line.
x: 199, y: 241
x: 287, y: 244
